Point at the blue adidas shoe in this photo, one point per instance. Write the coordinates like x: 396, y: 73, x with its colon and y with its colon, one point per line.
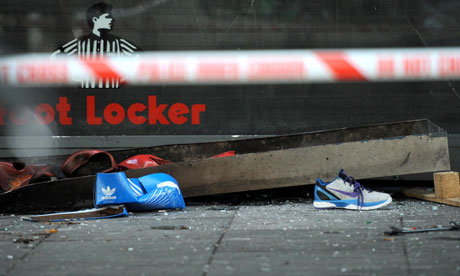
x: 150, y: 192
x: 345, y: 192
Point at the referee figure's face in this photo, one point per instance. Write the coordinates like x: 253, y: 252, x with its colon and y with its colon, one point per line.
x: 103, y: 22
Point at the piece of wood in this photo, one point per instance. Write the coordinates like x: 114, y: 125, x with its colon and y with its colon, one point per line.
x: 429, y: 195
x: 446, y: 185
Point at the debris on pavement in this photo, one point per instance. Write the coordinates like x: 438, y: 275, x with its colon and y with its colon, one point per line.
x: 172, y: 227
x: 395, y: 231
x: 114, y: 194
x: 95, y: 213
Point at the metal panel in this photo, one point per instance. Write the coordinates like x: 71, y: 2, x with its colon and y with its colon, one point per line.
x: 300, y: 166
x: 366, y: 152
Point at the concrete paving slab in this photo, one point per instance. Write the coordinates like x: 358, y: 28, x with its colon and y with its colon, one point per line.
x: 254, y: 237
x: 294, y: 238
x: 18, y: 239
x: 426, y: 251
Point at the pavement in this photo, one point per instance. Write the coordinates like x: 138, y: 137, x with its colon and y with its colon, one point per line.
x: 258, y: 233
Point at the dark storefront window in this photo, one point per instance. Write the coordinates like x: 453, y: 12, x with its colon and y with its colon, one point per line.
x: 179, y: 25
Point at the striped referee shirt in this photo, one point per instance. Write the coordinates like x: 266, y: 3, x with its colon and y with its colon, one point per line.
x: 93, y: 46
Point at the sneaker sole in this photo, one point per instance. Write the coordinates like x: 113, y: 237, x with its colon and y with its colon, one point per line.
x: 330, y: 205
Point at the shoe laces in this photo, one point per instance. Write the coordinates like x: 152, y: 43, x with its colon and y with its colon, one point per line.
x: 357, y: 188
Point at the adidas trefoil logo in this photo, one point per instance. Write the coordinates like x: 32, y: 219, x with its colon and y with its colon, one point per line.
x: 108, y: 193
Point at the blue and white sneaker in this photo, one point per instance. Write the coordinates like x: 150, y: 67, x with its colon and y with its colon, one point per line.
x: 345, y: 192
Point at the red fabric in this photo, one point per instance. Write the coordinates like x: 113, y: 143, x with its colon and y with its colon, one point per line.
x: 142, y: 161
x: 225, y: 154
x: 17, y: 175
x: 82, y: 157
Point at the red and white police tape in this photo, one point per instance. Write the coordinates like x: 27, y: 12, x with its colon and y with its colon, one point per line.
x: 237, y: 67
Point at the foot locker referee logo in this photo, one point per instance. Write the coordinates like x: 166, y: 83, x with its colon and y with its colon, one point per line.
x: 93, y: 47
